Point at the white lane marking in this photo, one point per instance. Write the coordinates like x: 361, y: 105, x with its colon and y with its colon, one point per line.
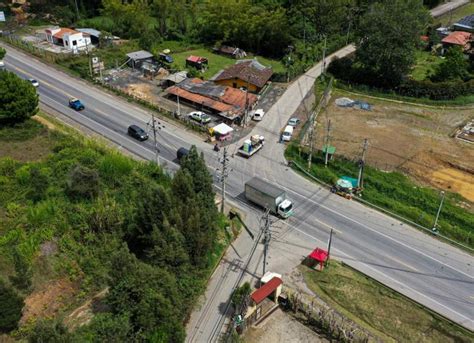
x: 390, y: 278
x: 379, y: 233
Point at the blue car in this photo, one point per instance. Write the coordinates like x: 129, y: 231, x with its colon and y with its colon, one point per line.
x: 76, y: 104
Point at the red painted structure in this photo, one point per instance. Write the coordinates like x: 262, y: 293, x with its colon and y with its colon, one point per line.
x: 260, y: 294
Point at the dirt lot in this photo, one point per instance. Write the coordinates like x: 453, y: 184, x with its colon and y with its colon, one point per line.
x: 280, y: 327
x: 415, y: 140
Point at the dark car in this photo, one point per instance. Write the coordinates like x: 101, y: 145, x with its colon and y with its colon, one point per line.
x: 137, y: 133
x: 181, y: 153
x: 166, y: 58
x: 76, y: 104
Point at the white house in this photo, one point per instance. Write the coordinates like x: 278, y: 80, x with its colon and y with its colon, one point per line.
x: 70, y: 39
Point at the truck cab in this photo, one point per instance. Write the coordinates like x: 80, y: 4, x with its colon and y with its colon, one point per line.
x: 76, y: 104
x: 285, y: 209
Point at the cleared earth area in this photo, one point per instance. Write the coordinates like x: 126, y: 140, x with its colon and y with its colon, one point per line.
x: 416, y: 140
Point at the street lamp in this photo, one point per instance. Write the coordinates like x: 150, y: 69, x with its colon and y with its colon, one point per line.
x: 435, y: 229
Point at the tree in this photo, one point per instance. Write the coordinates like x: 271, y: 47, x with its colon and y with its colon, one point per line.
x: 454, y: 67
x: 18, y: 99
x: 51, y: 331
x: 23, y: 273
x: 388, y: 35
x: 148, y: 296
x: 11, y: 305
x: 3, y: 52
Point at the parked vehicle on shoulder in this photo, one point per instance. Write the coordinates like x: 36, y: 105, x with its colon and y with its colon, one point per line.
x: 287, y: 133
x: 200, y: 117
x: 2, y: 66
x: 76, y: 104
x: 293, y: 122
x: 137, y: 133
x: 34, y: 83
x: 258, y: 114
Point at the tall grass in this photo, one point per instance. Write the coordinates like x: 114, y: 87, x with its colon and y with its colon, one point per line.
x: 397, y: 193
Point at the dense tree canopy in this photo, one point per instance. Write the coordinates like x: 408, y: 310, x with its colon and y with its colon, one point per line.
x: 3, y: 52
x: 388, y: 36
x: 11, y: 305
x: 18, y: 99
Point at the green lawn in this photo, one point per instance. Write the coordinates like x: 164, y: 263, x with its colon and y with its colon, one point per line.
x: 388, y: 314
x: 217, y: 62
x: 425, y: 65
x: 451, y: 18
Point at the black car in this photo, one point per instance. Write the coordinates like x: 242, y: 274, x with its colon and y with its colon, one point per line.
x: 181, y: 153
x: 137, y: 133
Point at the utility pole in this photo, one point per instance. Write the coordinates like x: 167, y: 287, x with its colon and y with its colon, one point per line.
x: 323, y: 65
x: 311, y: 143
x: 435, y: 229
x: 153, y: 127
x: 224, y: 174
x: 77, y: 10
x: 266, y: 237
x: 329, y: 247
x: 328, y: 135
x: 360, y: 179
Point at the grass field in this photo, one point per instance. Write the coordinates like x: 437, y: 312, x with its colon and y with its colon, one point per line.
x: 384, y: 312
x: 451, y: 18
x: 218, y: 62
x: 425, y: 65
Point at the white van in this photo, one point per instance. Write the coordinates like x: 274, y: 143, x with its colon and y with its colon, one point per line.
x: 258, y: 114
x: 287, y: 132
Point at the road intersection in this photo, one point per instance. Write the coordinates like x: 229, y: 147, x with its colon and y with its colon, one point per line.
x: 417, y: 265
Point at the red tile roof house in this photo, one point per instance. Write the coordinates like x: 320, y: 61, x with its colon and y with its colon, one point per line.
x: 70, y: 39
x: 457, y: 38
x: 227, y: 102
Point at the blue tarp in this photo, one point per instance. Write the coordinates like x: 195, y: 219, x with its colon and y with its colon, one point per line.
x: 352, y: 180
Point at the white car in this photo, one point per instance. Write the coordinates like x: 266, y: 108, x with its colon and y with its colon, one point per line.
x: 2, y: 65
x: 200, y: 117
x: 258, y: 114
x: 34, y: 82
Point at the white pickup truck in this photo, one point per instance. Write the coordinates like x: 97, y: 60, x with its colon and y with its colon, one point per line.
x: 251, y: 146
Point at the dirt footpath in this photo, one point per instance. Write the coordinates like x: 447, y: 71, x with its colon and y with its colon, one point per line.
x: 280, y: 327
x: 417, y: 141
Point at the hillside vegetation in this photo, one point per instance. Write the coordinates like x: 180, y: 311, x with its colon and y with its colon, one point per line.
x: 79, y: 219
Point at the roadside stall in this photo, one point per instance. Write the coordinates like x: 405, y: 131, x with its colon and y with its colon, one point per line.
x: 221, y: 132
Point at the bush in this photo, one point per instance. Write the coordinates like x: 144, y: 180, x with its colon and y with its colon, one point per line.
x: 345, y: 70
x: 83, y: 183
x: 436, y: 91
x: 11, y: 305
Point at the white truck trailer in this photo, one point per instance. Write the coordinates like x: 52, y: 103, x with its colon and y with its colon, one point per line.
x: 268, y: 196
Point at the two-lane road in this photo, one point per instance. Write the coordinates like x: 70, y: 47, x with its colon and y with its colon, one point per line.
x: 431, y: 272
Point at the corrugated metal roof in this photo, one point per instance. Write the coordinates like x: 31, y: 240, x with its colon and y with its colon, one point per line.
x: 140, y: 55
x: 63, y: 31
x: 199, y: 99
x: 264, y: 186
x: 92, y: 32
x: 457, y: 38
x: 260, y: 294
x: 250, y: 71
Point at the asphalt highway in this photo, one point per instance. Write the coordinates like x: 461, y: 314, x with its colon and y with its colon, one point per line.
x: 419, y: 266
